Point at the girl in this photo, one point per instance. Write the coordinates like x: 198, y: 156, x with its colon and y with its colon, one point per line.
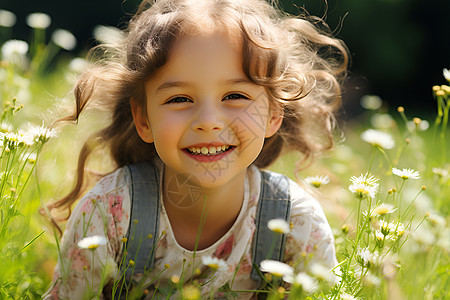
x: 207, y: 91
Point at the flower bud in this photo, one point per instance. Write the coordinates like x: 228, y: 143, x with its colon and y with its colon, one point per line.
x: 440, y: 93
x: 345, y: 228
x: 436, y: 88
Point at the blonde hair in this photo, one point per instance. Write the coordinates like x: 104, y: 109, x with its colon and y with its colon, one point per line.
x: 299, y: 65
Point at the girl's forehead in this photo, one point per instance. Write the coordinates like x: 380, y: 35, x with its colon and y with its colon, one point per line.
x: 206, y: 42
x: 205, y: 58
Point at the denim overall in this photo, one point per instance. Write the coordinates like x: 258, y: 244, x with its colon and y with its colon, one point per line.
x: 144, y: 182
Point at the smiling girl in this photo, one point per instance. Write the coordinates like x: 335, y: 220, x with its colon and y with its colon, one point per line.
x: 206, y: 93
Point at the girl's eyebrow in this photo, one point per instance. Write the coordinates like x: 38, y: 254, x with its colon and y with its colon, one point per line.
x: 171, y: 84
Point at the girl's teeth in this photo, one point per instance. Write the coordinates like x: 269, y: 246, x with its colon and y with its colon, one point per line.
x: 206, y: 150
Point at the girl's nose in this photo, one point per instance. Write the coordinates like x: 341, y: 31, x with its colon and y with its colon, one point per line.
x: 207, y: 119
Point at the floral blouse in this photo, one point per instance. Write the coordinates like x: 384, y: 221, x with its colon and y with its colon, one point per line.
x: 105, y: 211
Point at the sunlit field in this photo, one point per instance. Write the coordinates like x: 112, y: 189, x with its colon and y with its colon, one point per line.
x: 385, y: 187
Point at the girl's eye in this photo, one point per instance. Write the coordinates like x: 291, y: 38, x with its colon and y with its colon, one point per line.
x: 179, y: 100
x: 235, y: 97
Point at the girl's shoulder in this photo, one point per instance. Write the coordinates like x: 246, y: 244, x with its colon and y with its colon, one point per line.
x: 112, y: 181
x: 109, y: 195
x: 303, y: 201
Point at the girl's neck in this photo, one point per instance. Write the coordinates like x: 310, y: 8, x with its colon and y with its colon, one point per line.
x: 192, y: 209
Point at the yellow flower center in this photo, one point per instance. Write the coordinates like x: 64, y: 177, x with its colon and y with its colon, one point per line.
x: 213, y: 266
x: 381, y: 210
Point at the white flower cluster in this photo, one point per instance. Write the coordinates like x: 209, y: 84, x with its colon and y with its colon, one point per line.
x: 12, y: 140
x: 378, y: 138
x: 41, y: 133
x: 366, y: 258
x: 393, y: 230
x: 364, y: 186
x: 308, y: 283
x: 15, y: 51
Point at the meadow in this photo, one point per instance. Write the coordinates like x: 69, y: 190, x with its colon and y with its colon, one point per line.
x: 385, y: 187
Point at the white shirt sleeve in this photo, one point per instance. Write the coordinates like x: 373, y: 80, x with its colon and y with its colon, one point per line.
x: 310, y: 239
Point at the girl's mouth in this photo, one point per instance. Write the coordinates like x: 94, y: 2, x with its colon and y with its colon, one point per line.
x: 208, y: 150
x: 210, y: 153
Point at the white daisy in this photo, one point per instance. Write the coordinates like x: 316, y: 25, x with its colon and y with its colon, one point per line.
x: 38, y: 20
x: 440, y: 172
x: 406, y: 173
x: 278, y: 225
x: 446, y: 74
x: 92, y: 242
x: 378, y: 235
x: 276, y: 268
x: 399, y: 229
x: 108, y: 34
x: 385, y: 227
x: 382, y: 121
x: 64, y: 39
x: 321, y: 272
x: 378, y: 138
x: 436, y: 219
x: 383, y: 209
x: 7, y: 18
x: 41, y: 133
x: 364, y: 186
x: 302, y: 279
x: 78, y: 65
x: 371, y: 102
x: 214, y: 262
x: 366, y: 258
x: 371, y: 279
x: 31, y: 158
x: 363, y: 257
x: 14, y: 50
x: 345, y: 296
x: 317, y: 181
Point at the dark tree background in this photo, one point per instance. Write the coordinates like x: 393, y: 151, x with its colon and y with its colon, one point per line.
x: 398, y: 47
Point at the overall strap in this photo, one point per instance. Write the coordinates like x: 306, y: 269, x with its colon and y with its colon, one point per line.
x: 274, y: 203
x: 144, y: 217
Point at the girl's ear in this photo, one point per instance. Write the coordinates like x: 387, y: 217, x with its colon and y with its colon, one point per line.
x: 141, y: 122
x: 275, y: 121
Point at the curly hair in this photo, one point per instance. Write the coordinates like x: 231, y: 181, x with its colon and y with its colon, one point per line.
x: 300, y: 66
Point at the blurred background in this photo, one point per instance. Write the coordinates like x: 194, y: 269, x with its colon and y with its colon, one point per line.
x: 398, y: 47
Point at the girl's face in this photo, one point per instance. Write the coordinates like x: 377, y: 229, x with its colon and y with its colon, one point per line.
x: 206, y: 119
